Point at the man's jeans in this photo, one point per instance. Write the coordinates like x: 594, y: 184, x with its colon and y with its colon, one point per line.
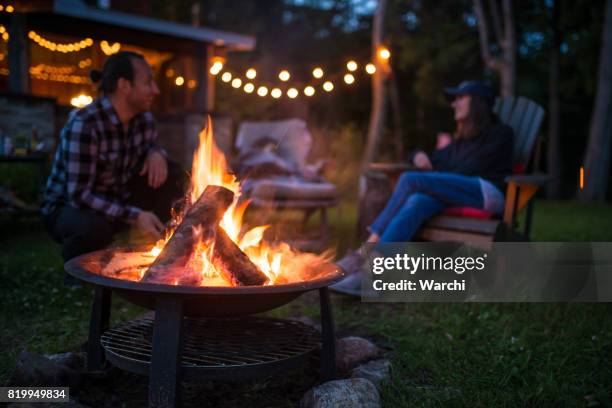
x: 82, y: 230
x: 419, y: 196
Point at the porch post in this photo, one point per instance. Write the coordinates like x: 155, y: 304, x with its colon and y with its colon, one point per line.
x: 18, y: 54
x: 204, y: 94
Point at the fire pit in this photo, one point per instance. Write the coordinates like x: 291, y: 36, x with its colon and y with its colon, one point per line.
x: 202, y: 332
x: 204, y: 281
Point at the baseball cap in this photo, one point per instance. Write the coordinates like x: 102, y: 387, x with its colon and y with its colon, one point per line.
x: 477, y: 88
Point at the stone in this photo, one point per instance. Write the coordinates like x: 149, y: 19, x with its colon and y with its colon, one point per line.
x: 376, y: 371
x: 352, y: 351
x: 350, y: 393
x: 307, y: 320
x: 34, y: 370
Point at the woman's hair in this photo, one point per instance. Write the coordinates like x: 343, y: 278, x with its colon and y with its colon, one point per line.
x: 116, y: 66
x: 480, y: 117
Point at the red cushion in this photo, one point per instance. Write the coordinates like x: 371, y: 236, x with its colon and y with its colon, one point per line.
x: 470, y: 212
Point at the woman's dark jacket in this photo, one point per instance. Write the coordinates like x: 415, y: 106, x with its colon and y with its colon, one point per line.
x: 488, y: 155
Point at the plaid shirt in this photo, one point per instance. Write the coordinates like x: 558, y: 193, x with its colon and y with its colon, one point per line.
x: 96, y: 158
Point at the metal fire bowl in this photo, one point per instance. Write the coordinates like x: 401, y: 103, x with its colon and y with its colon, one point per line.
x: 202, y: 301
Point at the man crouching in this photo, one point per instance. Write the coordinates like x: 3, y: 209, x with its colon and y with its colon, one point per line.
x: 108, y: 172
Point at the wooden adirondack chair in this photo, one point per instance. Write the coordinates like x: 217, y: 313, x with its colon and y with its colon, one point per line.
x: 294, y: 143
x: 476, y: 226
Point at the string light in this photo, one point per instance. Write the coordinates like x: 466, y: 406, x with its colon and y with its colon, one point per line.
x: 9, y: 8
x: 226, y: 77
x: 109, y: 49
x: 81, y: 100
x: 236, y: 83
x: 216, y: 67
x: 85, y: 63
x: 309, y: 91
x: 169, y: 73
x: 384, y: 53
x: 317, y: 72
x: 262, y: 91
x: 292, y: 93
x: 5, y: 36
x: 191, y: 84
x: 63, y: 48
x: 179, y: 81
x: 284, y: 75
x: 276, y: 93
x: 351, y: 66
x: 50, y: 69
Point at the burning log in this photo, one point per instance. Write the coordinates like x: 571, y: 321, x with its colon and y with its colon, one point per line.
x: 233, y: 264
x: 204, y: 215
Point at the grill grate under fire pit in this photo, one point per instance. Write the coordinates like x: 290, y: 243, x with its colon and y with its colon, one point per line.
x: 230, y: 349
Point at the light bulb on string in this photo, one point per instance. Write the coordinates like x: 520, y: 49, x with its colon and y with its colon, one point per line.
x: 292, y: 93
x: 226, y: 77
x: 328, y: 86
x: 370, y: 68
x: 317, y: 72
x: 349, y: 79
x: 249, y: 87
x: 251, y: 73
x: 351, y: 66
x: 309, y: 91
x: 236, y: 83
x: 284, y: 75
x: 216, y: 67
x: 262, y: 91
x: 384, y: 53
x: 276, y: 93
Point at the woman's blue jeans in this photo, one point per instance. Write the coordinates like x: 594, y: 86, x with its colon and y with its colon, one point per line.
x: 419, y: 196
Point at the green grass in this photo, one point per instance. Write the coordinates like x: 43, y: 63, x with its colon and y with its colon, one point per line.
x: 442, y: 354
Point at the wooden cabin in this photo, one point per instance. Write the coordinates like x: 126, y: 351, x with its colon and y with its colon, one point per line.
x: 48, y: 47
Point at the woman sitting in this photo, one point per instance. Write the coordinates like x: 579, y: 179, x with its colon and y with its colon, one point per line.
x: 466, y: 170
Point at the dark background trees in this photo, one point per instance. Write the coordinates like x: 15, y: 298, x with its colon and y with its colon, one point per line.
x: 558, y: 48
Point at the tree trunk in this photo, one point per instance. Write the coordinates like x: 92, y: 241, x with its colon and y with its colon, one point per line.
x: 553, y: 153
x: 508, y: 72
x: 379, y: 95
x: 398, y: 134
x: 597, y: 155
x: 505, y: 64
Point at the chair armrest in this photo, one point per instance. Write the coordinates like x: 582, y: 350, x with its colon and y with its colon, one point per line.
x: 537, y: 179
x: 521, y: 189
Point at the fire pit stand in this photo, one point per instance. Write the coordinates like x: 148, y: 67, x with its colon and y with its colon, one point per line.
x: 203, y: 332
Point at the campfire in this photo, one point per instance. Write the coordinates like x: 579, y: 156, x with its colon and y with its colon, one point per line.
x: 207, y: 244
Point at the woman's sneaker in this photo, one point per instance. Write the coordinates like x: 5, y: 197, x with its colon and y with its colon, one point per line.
x: 352, y: 265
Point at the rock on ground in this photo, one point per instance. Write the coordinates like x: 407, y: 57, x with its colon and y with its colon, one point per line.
x: 351, y: 351
x: 376, y: 371
x: 60, y: 370
x: 351, y: 393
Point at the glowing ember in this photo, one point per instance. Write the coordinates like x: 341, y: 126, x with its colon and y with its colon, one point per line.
x: 280, y: 263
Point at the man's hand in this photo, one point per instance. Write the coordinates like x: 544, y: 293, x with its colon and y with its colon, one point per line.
x: 149, y: 224
x: 421, y: 161
x: 156, y: 166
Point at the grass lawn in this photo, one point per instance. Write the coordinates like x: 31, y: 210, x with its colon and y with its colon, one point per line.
x: 446, y: 353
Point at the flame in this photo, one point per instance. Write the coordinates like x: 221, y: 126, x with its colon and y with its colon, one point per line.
x: 280, y: 263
